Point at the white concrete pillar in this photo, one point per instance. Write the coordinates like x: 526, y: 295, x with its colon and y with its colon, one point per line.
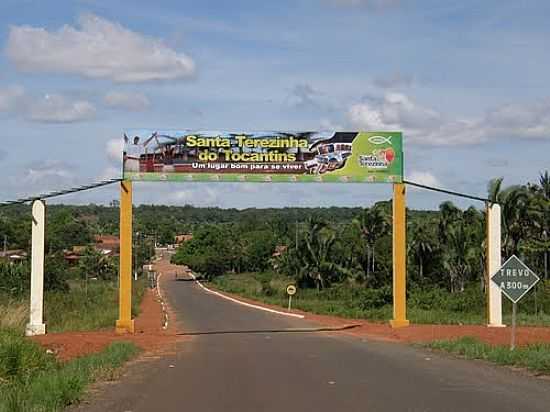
x: 494, y: 299
x: 36, y: 325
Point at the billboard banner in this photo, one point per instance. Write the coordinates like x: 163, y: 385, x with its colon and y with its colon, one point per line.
x: 209, y: 156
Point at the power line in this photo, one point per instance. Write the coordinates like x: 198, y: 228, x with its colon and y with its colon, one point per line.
x: 449, y: 192
x: 111, y: 181
x: 60, y: 192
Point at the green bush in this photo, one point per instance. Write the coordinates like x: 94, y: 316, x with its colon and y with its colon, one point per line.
x: 31, y: 380
x: 21, y: 359
x: 472, y: 299
x: 14, y: 278
x: 376, y: 298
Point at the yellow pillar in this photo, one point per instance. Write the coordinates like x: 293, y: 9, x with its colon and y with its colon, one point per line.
x: 125, y: 323
x: 399, y: 258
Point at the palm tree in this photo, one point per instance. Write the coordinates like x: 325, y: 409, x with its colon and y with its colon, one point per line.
x: 449, y: 214
x: 373, y: 224
x: 516, y: 217
x: 316, y: 255
x: 421, y: 248
x: 494, y: 189
x: 544, y: 181
x: 456, y: 257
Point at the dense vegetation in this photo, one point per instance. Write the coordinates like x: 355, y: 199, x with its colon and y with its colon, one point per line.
x: 340, y: 256
x: 349, y: 262
x: 32, y: 380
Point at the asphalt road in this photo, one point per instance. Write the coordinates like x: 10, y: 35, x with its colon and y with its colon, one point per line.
x: 229, y: 366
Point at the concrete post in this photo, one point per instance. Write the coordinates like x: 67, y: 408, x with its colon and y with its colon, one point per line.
x: 125, y: 323
x: 494, y: 294
x: 399, y: 258
x: 36, y: 324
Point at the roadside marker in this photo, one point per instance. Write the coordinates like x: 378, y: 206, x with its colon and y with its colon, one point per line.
x: 515, y: 279
x: 290, y: 290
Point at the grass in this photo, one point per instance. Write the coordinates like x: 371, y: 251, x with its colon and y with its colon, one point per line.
x: 76, y: 310
x: 32, y: 380
x: 92, y: 310
x: 14, y: 313
x: 270, y: 290
x: 533, y: 357
x: 430, y: 306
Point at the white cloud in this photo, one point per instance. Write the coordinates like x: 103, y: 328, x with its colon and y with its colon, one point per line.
x: 113, y: 149
x: 10, y: 98
x: 54, y: 108
x: 98, y: 48
x: 424, y: 125
x: 50, y: 108
x: 48, y: 172
x: 424, y: 178
x: 126, y: 100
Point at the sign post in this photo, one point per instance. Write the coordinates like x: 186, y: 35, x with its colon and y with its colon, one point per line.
x: 291, y: 291
x: 399, y: 252
x: 493, y: 244
x: 515, y: 279
x: 125, y: 323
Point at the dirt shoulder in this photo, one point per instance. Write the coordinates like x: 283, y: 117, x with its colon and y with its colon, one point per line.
x: 418, y: 333
x: 150, y: 335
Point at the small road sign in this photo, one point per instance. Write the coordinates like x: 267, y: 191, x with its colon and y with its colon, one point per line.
x: 290, y: 290
x: 515, y: 279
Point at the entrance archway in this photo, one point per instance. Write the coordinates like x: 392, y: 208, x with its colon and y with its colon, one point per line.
x: 224, y: 156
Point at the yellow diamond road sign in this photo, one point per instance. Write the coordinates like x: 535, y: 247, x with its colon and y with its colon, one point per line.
x: 515, y: 279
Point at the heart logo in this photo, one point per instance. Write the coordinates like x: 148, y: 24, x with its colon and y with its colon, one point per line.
x: 390, y: 155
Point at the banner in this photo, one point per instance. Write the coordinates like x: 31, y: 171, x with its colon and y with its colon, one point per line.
x: 193, y: 155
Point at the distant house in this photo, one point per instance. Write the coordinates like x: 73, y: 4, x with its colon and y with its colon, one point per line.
x: 279, y: 250
x: 73, y: 256
x: 183, y: 238
x: 107, y: 245
x: 12, y: 256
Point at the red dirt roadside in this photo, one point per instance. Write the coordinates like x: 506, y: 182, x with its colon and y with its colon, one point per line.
x: 149, y: 333
x: 419, y: 333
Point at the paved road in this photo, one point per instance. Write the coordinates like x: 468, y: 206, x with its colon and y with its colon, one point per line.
x: 280, y: 371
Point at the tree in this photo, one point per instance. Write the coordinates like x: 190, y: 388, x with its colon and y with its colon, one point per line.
x: 420, y: 247
x: 318, y: 265
x: 208, y: 253
x: 94, y: 264
x: 63, y: 231
x: 373, y: 224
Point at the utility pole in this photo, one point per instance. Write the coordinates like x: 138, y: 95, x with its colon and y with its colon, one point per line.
x: 5, y: 245
x: 296, y: 247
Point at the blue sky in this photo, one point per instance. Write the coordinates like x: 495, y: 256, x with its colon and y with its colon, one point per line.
x: 466, y: 82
